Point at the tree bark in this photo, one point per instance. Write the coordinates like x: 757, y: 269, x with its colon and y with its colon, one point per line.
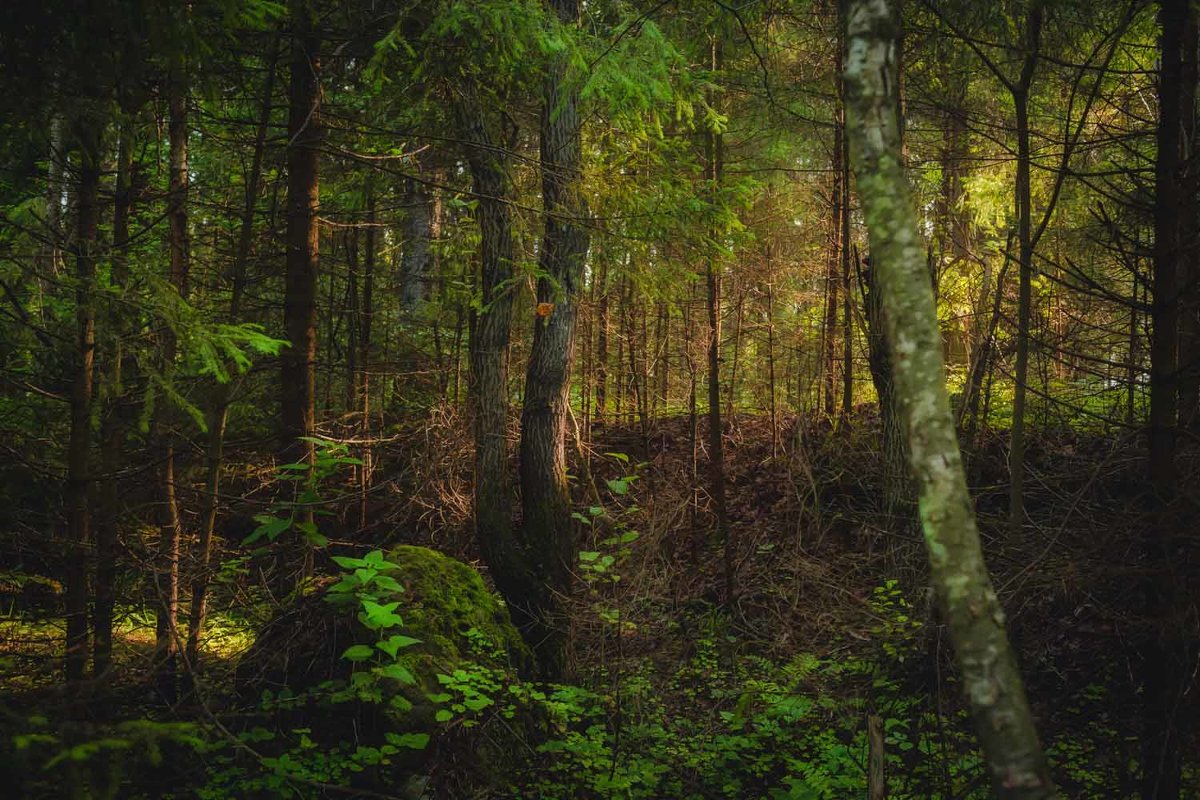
x: 112, y: 428
x: 897, y: 489
x: 421, y: 213
x: 488, y: 338
x: 89, y: 135
x: 1024, y: 203
x: 299, y: 359
x: 1164, y: 651
x: 1189, y: 234
x: 995, y: 693
x: 167, y: 569
x: 302, y: 240
x: 547, y: 530
x: 714, y: 156
x: 218, y: 416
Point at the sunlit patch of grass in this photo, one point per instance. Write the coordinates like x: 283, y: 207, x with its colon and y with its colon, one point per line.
x: 32, y: 649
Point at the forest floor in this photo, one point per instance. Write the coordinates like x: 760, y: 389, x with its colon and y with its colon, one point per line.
x: 675, y: 691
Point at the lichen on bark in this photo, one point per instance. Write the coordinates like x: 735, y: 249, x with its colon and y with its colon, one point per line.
x: 992, y: 683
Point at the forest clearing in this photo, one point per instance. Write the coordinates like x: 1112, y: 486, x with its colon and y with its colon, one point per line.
x: 620, y: 399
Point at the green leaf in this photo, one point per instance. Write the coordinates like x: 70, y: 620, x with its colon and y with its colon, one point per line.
x: 394, y: 644
x: 376, y: 616
x: 443, y: 715
x: 268, y: 526
x: 618, y: 486
x: 397, y: 672
x: 412, y: 741
x: 359, y: 652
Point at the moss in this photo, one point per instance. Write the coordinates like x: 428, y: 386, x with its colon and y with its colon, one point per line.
x: 445, y: 604
x: 448, y: 607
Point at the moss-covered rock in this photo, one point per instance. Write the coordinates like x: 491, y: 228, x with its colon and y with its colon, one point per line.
x: 448, y: 607
x: 381, y: 698
x: 444, y: 603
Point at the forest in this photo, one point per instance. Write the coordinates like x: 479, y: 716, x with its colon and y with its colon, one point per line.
x: 600, y: 399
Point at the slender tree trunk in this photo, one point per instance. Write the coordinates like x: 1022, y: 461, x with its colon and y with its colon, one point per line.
x: 363, y: 386
x: 992, y: 683
x: 79, y: 521
x: 166, y: 633
x: 547, y: 529
x: 829, y: 330
x: 1166, y: 663
x: 981, y: 361
x: 218, y: 415
x: 602, y: 340
x: 112, y: 428
x: 734, y: 373
x: 843, y: 239
x: 897, y: 489
x: 54, y: 193
x: 714, y: 153
x: 1189, y: 234
x: 1024, y: 202
x: 773, y: 398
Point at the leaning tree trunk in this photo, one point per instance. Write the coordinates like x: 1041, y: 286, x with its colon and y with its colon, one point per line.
x: 545, y: 497
x: 995, y: 693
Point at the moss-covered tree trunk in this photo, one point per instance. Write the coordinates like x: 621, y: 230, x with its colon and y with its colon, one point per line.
x: 992, y: 682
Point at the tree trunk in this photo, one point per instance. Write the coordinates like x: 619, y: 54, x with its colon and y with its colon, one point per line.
x: 1189, y: 234
x: 417, y: 258
x: 714, y: 153
x: 89, y: 137
x: 843, y: 238
x: 302, y: 240
x: 1024, y: 202
x: 602, y: 340
x: 897, y: 489
x: 545, y: 497
x: 363, y: 379
x: 218, y: 415
x: 994, y: 690
x: 1166, y: 664
x: 488, y: 338
x: 298, y: 391
x: 112, y: 428
x: 167, y: 571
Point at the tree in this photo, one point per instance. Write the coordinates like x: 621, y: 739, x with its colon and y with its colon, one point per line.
x: 303, y: 241
x: 166, y: 634
x: 299, y: 362
x: 545, y: 496
x: 1165, y: 656
x: 991, y: 680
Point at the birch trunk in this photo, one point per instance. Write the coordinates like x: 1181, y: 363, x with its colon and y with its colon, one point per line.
x: 995, y: 692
